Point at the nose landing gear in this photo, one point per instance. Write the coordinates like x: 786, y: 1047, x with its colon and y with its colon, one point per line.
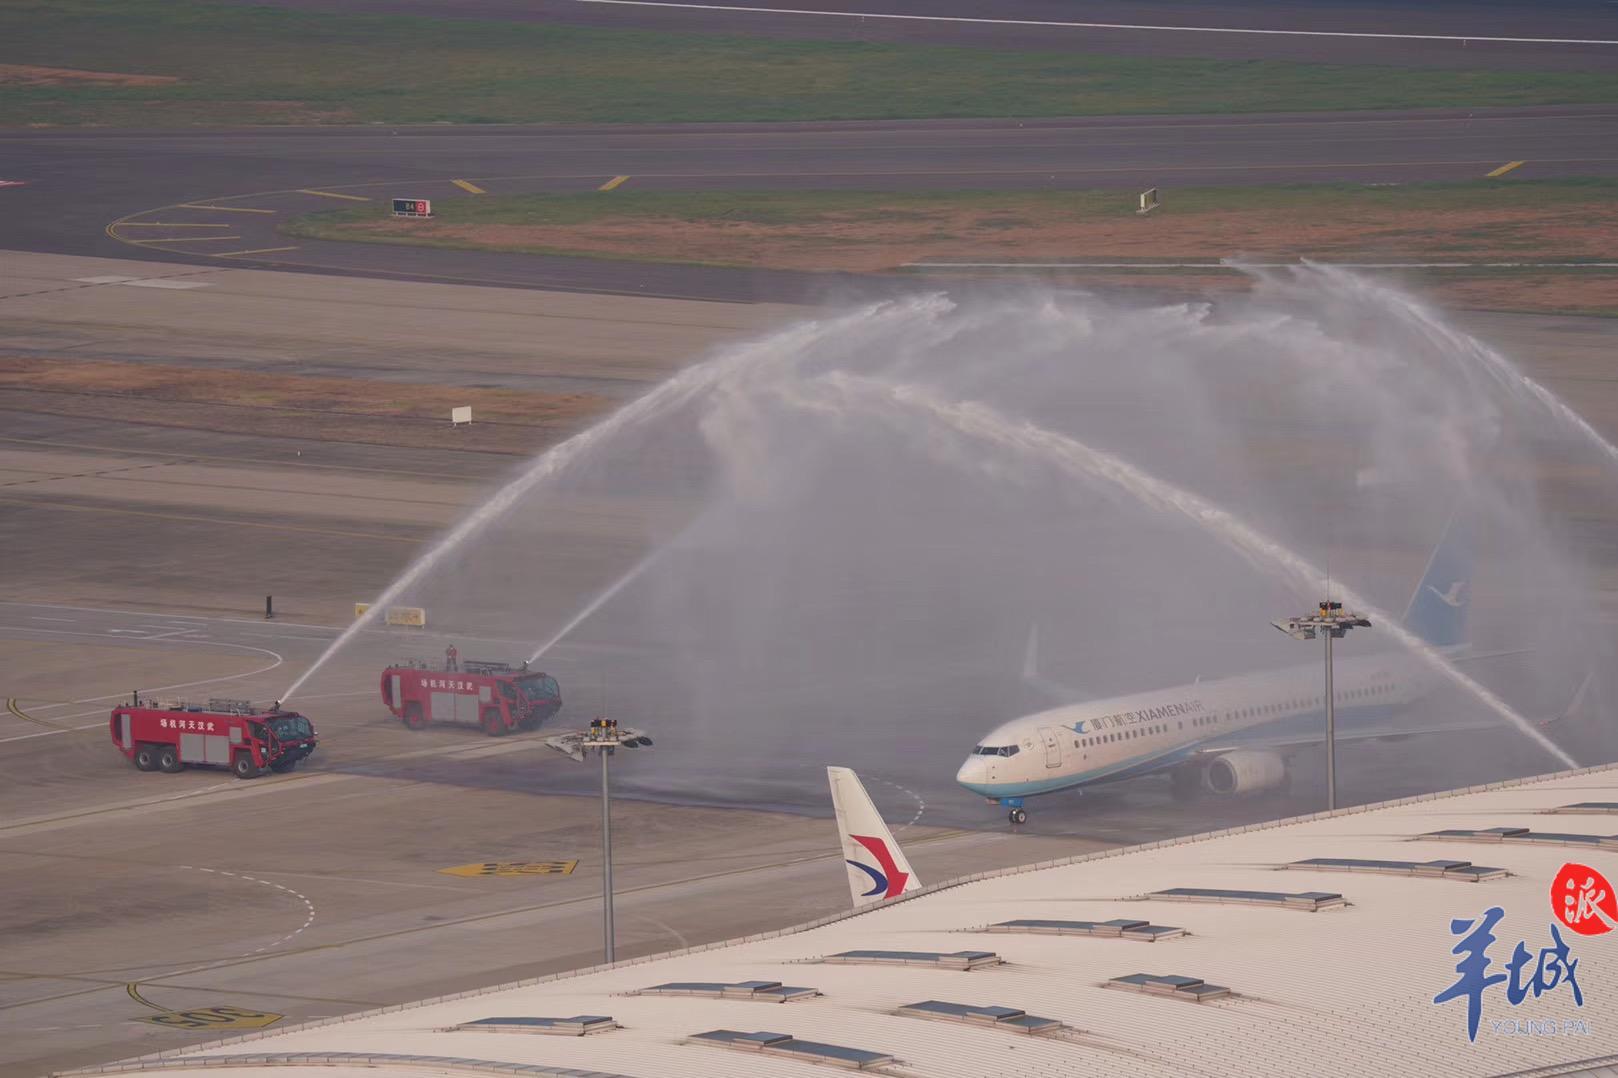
x: 1017, y: 815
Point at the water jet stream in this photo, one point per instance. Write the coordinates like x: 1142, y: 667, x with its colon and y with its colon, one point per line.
x: 666, y: 398
x: 601, y: 599
x: 984, y: 424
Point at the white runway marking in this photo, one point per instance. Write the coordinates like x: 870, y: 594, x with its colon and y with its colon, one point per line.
x: 279, y: 659
x: 309, y: 919
x: 921, y: 806
x: 1107, y: 25
x: 160, y: 282
x: 1258, y: 265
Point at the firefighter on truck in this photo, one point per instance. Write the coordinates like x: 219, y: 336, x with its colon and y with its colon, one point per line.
x: 495, y: 697
x: 225, y: 733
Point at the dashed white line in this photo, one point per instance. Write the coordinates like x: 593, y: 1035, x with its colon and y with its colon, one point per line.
x: 299, y: 895
x: 921, y: 805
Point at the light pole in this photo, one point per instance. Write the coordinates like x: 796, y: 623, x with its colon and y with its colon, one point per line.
x: 605, y: 737
x: 1330, y: 622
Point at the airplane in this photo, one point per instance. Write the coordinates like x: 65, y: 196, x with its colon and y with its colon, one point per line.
x: 877, y: 868
x: 1232, y: 735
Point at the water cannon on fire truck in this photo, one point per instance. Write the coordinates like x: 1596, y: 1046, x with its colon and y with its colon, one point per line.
x: 496, y: 697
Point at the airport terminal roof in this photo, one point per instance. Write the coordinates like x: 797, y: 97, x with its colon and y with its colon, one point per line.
x: 1309, y: 946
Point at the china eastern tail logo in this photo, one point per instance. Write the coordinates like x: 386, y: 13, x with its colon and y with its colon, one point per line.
x: 886, y: 880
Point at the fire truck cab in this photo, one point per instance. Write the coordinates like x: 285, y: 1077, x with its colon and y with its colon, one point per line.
x: 496, y: 697
x: 228, y: 733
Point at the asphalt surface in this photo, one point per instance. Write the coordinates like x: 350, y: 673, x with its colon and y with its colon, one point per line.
x: 1437, y: 33
x: 217, y: 197
x: 320, y: 892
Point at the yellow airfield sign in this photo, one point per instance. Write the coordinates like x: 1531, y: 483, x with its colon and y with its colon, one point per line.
x: 211, y: 1018
x: 513, y: 868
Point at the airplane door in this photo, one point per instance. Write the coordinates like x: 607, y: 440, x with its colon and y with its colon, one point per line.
x: 1053, y: 746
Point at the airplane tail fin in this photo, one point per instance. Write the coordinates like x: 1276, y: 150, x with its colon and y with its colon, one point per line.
x: 877, y: 867
x: 1056, y: 690
x: 1438, y: 610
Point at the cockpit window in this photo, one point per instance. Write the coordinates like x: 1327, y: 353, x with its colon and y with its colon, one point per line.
x: 995, y: 750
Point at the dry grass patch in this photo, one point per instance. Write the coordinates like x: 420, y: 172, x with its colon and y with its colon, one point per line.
x: 32, y: 75
x: 250, y: 389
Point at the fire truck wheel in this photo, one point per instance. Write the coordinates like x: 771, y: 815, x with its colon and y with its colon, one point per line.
x: 168, y: 760
x: 284, y: 764
x: 493, y: 724
x: 146, y: 757
x: 413, y: 716
x: 244, y: 766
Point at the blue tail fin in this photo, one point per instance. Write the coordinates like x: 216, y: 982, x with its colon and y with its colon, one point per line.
x: 1438, y: 609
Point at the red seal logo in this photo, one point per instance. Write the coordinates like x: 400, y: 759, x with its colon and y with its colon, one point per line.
x: 1583, y: 900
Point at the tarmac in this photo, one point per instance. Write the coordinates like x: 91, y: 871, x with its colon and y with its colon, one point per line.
x: 218, y: 198
x: 140, y: 544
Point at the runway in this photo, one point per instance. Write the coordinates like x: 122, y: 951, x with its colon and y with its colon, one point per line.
x: 1448, y: 33
x: 217, y: 197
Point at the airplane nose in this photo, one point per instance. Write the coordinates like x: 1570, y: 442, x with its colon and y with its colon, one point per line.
x: 974, y: 771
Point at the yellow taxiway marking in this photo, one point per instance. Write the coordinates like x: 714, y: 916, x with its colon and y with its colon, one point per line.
x: 513, y: 868
x: 203, y: 1017
x: 333, y: 194
x: 185, y: 239
x: 165, y: 224
x: 469, y: 187
x: 13, y: 707
x: 256, y: 251
x: 222, y: 209
x: 1505, y: 168
x: 614, y: 182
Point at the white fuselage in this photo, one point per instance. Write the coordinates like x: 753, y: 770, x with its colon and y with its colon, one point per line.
x: 1124, y: 736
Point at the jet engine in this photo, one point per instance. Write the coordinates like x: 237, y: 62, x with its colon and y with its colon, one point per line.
x: 1245, y: 771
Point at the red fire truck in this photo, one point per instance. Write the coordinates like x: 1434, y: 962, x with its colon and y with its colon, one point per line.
x: 229, y: 733
x: 497, y: 697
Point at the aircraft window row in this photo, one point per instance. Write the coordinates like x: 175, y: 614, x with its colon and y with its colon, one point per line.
x: 1122, y: 735
x: 996, y: 750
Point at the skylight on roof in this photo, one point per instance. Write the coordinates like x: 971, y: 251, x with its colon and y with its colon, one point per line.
x: 937, y: 959
x: 1524, y: 835
x: 1006, y: 1018
x: 577, y: 1026
x: 1465, y: 871
x: 1125, y: 928
x: 1302, y: 900
x: 1587, y: 808
x: 1173, y: 986
x: 784, y: 1044
x: 765, y: 991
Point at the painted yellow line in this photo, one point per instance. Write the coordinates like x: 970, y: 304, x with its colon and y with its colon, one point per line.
x: 256, y: 251
x: 164, y: 224
x: 333, y: 194
x: 222, y: 209
x: 12, y: 706
x: 184, y: 239
x: 1505, y: 168
x: 134, y: 993
x: 614, y: 182
x: 469, y: 187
